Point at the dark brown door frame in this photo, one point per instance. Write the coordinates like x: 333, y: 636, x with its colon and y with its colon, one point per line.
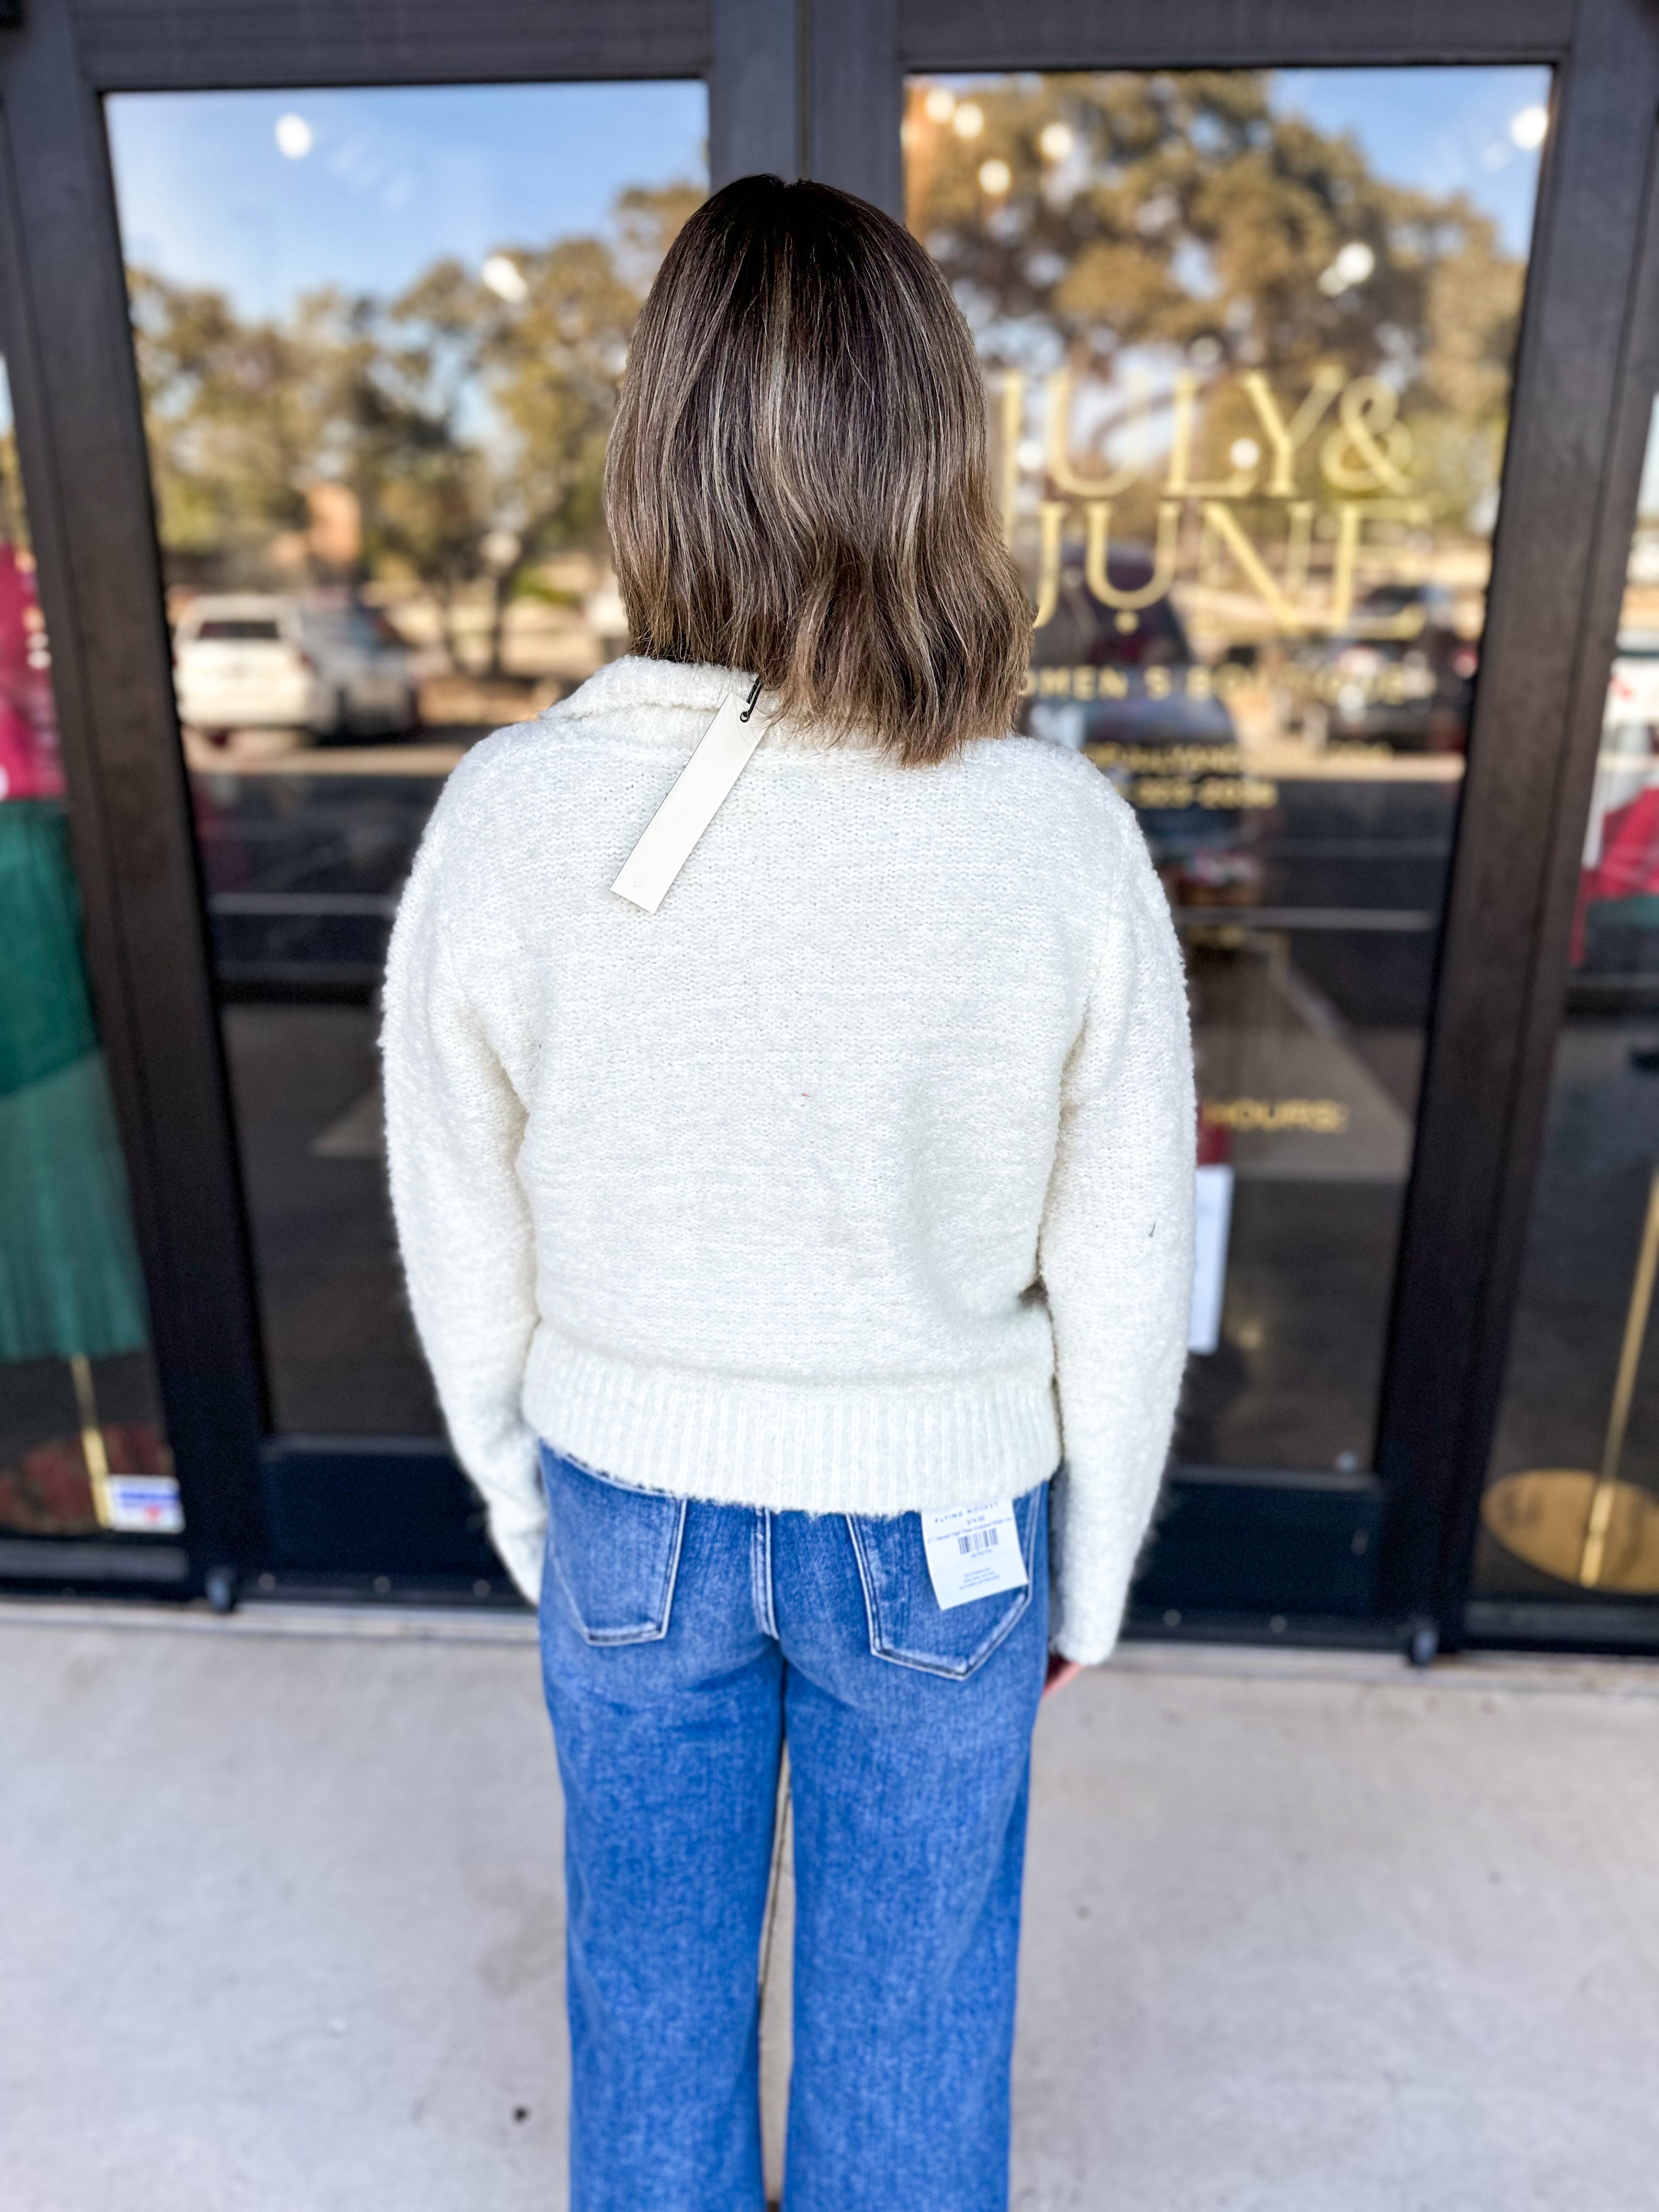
x: 818, y: 88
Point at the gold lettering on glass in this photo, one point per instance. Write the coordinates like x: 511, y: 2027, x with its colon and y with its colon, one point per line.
x: 1051, y: 518
x: 1058, y: 421
x: 1179, y: 483
x: 1098, y: 516
x: 1285, y: 439
x: 1013, y: 415
x: 1308, y: 582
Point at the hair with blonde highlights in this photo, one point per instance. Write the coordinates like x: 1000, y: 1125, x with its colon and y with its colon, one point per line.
x: 796, y: 484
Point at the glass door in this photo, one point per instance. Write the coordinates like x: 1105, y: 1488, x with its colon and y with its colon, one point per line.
x: 379, y: 334
x: 1569, y: 1519
x: 83, y: 1458
x: 1248, y: 339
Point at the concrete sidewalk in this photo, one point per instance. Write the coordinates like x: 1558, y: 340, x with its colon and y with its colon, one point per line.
x: 281, y: 1928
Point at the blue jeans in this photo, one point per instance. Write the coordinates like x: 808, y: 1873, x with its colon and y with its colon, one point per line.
x: 680, y: 1643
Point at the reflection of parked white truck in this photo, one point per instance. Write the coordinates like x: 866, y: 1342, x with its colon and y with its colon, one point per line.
x: 259, y: 660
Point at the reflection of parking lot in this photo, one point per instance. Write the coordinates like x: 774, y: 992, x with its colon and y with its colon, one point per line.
x: 340, y: 1348
x: 304, y: 852
x: 304, y: 856
x: 1309, y: 1048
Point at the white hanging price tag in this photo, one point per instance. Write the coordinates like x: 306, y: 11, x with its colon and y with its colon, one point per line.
x: 973, y: 1551
x: 701, y: 789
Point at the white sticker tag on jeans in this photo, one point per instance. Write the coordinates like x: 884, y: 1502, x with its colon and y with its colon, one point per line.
x: 973, y: 1551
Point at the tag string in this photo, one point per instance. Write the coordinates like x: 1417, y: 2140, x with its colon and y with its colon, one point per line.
x: 754, y: 694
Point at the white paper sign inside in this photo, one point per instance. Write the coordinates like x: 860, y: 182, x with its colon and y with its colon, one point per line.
x: 144, y: 1504
x: 973, y: 1551
x: 1212, y: 1219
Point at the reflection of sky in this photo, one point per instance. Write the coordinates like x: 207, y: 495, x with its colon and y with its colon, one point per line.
x: 1442, y: 130
x: 395, y: 177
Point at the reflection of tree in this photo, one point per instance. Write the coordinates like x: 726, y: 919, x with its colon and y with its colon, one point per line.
x: 235, y: 412
x: 470, y: 427
x: 1181, y: 214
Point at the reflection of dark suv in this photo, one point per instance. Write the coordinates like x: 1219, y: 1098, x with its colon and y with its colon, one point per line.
x: 1155, y: 691
x: 1127, y: 687
x: 1403, y: 674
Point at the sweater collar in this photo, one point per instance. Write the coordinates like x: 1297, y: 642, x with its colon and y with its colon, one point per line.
x: 674, y: 701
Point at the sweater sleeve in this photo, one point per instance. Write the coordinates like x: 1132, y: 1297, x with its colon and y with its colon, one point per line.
x: 454, y: 1125
x: 1116, y: 1256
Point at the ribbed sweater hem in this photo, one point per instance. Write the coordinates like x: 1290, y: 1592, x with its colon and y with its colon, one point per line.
x: 809, y: 1446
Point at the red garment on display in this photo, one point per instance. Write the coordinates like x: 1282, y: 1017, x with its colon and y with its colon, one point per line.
x: 1629, y: 866
x: 29, y: 763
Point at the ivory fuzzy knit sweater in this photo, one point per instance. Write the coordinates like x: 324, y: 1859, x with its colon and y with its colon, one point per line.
x: 817, y: 1187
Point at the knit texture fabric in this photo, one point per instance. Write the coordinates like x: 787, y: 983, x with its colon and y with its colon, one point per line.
x: 807, y: 1190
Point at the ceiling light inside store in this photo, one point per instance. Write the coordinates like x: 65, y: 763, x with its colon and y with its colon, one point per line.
x: 1530, y: 128
x: 1056, y: 141
x: 295, y: 136
x: 969, y: 120
x: 994, y: 177
x: 503, y: 277
x: 941, y: 105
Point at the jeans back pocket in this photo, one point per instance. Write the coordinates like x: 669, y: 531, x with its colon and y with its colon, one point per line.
x: 908, y: 1624
x: 613, y: 1550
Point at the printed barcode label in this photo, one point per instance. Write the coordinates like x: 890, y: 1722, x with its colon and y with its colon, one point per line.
x: 967, y: 1555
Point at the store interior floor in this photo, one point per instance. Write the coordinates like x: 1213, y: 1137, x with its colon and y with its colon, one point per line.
x: 1307, y: 1932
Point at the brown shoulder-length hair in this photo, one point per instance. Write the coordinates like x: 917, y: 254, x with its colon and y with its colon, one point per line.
x: 796, y: 483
